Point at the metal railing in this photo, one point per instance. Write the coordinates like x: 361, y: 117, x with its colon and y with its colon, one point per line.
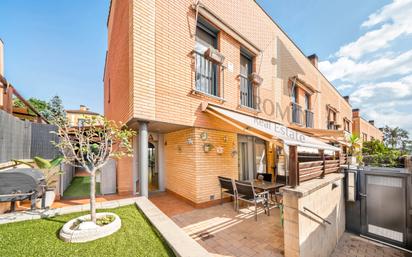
x: 247, y: 96
x: 296, y: 113
x: 309, y: 119
x: 325, y: 221
x: 206, y: 75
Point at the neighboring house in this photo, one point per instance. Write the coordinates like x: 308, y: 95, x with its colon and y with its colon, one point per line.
x: 77, y: 117
x: 8, y: 92
x: 204, y: 85
x: 366, y: 130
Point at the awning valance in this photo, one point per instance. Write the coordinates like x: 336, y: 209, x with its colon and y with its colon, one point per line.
x: 275, y: 130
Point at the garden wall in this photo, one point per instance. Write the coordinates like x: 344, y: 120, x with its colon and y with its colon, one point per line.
x: 25, y: 140
x: 306, y: 207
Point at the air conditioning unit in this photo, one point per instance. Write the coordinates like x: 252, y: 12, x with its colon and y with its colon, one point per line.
x: 255, y: 79
x: 214, y: 56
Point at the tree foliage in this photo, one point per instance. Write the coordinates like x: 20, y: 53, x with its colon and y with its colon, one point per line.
x: 92, y: 145
x: 38, y: 104
x: 55, y: 110
x: 396, y: 138
x: 376, y: 153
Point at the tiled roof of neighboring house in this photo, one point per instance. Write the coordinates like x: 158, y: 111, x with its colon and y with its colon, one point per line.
x: 82, y: 112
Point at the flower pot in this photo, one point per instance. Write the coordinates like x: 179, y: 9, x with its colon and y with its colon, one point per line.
x: 49, y: 196
x: 255, y: 79
x: 352, y: 160
x: 214, y: 56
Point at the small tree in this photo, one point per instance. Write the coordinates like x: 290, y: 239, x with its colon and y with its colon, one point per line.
x: 91, y: 146
x: 55, y: 110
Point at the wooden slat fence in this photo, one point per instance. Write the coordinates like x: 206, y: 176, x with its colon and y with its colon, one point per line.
x: 304, y: 167
x: 24, y: 140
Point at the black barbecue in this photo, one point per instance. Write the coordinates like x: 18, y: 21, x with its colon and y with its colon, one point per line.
x: 21, y: 184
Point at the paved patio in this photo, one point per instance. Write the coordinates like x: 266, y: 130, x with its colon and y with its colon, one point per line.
x: 224, y: 232
x: 351, y: 245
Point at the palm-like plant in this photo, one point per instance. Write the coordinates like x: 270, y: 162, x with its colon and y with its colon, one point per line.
x: 49, y: 169
x: 354, y: 143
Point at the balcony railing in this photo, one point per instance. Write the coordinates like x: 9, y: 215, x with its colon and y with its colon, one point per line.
x: 308, y: 119
x: 296, y: 113
x: 206, y: 75
x: 247, y: 95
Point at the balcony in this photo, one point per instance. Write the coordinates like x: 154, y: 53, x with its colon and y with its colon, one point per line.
x: 309, y: 119
x: 247, y: 95
x: 296, y: 113
x: 206, y: 76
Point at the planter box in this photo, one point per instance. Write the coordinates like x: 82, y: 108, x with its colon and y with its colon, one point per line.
x: 214, y: 56
x: 255, y: 79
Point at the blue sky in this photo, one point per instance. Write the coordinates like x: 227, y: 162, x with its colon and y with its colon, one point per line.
x: 364, y: 49
x: 56, y: 47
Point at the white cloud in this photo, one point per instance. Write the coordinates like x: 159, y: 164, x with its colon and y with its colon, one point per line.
x: 376, y: 73
x: 344, y: 87
x: 397, y: 20
x: 347, y: 69
x: 385, y: 93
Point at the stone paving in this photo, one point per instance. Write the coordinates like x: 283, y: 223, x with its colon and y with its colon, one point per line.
x: 351, y: 245
x: 224, y: 232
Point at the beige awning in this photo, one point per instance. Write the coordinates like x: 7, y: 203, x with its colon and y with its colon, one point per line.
x: 266, y: 128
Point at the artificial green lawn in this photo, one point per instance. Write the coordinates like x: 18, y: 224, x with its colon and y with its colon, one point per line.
x: 80, y: 187
x: 40, y: 238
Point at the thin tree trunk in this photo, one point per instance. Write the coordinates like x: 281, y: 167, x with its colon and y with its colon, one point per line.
x: 93, y: 195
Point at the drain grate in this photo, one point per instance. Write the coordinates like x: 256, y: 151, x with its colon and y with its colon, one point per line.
x: 205, y: 236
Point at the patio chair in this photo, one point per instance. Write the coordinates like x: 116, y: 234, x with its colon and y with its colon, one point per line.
x: 266, y: 176
x: 246, y: 192
x: 227, y: 187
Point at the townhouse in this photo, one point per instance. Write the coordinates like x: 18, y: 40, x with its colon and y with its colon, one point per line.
x: 364, y: 129
x: 214, y: 88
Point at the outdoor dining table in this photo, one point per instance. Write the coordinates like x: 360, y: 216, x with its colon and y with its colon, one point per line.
x: 265, y: 185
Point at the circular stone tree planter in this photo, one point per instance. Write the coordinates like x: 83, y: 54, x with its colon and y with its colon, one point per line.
x: 87, y: 230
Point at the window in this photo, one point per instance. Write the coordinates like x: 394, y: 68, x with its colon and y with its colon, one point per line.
x: 294, y: 93
x: 109, y: 93
x: 80, y: 122
x: 307, y: 101
x: 372, y: 138
x: 346, y: 124
x: 364, y: 137
x: 296, y: 108
x: 308, y: 113
x: 247, y: 94
x: 206, y: 71
x: 332, y: 119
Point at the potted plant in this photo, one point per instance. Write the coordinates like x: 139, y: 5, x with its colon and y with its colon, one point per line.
x: 354, y: 144
x: 214, y: 56
x: 255, y: 78
x: 51, y: 170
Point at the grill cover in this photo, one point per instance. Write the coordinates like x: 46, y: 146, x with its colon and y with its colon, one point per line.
x: 20, y: 181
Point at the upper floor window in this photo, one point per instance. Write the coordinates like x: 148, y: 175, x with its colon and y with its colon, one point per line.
x: 206, y: 70
x: 247, y: 90
x: 296, y: 108
x: 332, y: 119
x: 364, y: 137
x: 294, y: 93
x: 308, y: 113
x: 346, y: 124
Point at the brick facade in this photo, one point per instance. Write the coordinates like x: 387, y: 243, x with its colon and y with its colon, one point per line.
x: 150, y: 75
x: 366, y: 130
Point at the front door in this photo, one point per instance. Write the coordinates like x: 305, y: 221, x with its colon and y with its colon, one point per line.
x: 152, y: 167
x: 252, y: 157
